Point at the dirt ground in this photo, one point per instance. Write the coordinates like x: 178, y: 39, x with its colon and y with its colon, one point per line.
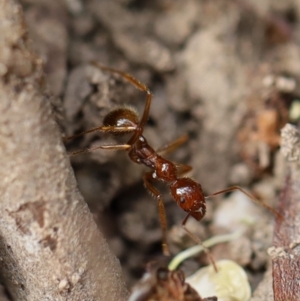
x: 223, y: 72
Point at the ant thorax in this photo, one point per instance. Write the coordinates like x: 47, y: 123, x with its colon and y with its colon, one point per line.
x: 163, y: 169
x: 142, y: 153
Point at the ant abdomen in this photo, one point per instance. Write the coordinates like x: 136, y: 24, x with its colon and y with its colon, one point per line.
x: 189, y: 196
x: 123, y: 117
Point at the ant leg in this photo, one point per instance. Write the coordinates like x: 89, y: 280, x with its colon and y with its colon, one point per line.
x: 161, y: 209
x: 199, y: 242
x: 182, y: 168
x: 113, y: 129
x: 139, y: 86
x: 173, y: 145
x: 109, y: 147
x: 248, y: 195
x: 102, y: 128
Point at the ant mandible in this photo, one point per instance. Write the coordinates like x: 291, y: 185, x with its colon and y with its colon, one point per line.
x: 187, y: 193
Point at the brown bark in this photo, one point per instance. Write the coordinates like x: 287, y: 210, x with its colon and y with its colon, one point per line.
x: 50, y: 246
x: 286, y: 252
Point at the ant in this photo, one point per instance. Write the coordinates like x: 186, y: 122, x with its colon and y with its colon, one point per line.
x: 187, y: 193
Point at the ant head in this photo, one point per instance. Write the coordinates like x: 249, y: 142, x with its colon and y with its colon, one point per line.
x: 122, y: 117
x: 189, y: 196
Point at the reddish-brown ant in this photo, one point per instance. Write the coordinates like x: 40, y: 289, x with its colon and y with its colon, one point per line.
x: 187, y: 193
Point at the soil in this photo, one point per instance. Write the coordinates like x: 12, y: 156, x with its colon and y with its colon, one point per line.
x: 223, y: 72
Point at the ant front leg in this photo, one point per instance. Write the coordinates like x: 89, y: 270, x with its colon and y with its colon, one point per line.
x: 109, y: 147
x: 103, y: 129
x: 139, y: 86
x: 161, y: 209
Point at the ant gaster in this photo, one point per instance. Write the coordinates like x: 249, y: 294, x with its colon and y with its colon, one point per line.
x: 187, y: 193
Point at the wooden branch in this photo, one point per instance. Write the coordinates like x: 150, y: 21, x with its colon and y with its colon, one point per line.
x: 286, y: 251
x: 50, y: 247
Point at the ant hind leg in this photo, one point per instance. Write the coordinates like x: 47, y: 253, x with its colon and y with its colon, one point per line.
x: 182, y: 169
x: 250, y: 196
x: 170, y: 147
x: 197, y: 240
